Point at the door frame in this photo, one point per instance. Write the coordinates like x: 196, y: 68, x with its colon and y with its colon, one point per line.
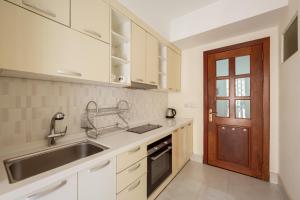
x: 265, y: 43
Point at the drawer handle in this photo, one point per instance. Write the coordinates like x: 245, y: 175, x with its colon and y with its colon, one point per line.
x: 134, y: 186
x: 134, y: 168
x: 153, y: 82
x: 135, y: 150
x: 94, y: 33
x: 69, y: 73
x: 46, y: 12
x: 95, y: 169
x: 46, y: 192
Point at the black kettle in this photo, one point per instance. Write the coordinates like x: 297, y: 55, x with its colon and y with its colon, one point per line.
x: 171, y: 113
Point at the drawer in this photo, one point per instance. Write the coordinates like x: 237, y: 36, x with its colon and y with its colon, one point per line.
x: 132, y: 173
x: 130, y: 157
x: 135, y: 191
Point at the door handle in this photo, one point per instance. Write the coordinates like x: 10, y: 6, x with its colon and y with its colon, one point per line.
x: 47, y: 191
x: 210, y: 114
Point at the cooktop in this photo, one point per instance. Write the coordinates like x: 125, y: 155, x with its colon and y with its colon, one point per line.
x: 144, y: 128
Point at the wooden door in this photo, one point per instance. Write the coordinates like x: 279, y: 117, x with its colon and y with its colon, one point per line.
x: 138, y: 54
x: 152, y: 60
x: 236, y: 98
x: 91, y: 17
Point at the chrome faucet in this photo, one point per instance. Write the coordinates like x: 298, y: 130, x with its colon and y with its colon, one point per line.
x: 53, y: 134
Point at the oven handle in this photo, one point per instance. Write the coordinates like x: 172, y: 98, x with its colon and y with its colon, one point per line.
x: 161, y: 154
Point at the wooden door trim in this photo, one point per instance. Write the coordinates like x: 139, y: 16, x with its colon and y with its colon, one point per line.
x: 265, y: 43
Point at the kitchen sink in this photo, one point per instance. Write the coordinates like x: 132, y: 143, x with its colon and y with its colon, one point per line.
x: 30, y: 165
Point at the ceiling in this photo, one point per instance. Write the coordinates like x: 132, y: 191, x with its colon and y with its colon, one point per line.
x: 159, y: 13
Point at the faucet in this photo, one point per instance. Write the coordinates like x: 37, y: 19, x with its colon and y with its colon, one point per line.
x: 53, y: 134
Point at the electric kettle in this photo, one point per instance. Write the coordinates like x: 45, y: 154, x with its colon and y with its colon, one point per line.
x: 171, y: 113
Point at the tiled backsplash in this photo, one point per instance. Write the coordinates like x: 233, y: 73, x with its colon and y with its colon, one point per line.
x: 26, y: 106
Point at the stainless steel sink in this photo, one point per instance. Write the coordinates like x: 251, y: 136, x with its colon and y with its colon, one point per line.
x: 29, y: 165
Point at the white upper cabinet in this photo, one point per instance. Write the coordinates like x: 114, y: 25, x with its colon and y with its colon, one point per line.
x: 57, y: 10
x: 98, y: 182
x: 91, y: 17
x: 152, y: 60
x: 30, y: 43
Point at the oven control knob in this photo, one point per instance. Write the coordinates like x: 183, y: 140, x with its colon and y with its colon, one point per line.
x: 155, y: 148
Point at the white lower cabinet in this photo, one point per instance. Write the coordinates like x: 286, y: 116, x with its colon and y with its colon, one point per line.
x: 135, y: 191
x: 98, y: 182
x: 64, y: 189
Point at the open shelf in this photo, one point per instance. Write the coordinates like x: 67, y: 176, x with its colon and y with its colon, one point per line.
x: 163, y: 73
x: 119, y: 60
x: 120, y: 48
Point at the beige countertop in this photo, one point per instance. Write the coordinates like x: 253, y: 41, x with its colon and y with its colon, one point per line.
x: 117, y: 142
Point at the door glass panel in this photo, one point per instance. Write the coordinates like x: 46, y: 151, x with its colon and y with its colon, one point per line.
x: 242, y: 87
x: 242, y: 65
x: 222, y: 88
x: 222, y: 108
x: 242, y: 109
x: 222, y: 67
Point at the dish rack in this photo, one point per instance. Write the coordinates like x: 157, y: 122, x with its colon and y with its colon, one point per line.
x: 93, y: 111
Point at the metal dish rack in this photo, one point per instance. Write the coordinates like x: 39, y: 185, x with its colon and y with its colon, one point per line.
x: 93, y: 111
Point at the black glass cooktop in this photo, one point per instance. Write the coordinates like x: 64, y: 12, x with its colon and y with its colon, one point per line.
x: 144, y: 128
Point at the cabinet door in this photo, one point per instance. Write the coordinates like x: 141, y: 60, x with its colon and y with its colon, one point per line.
x: 57, y: 10
x: 63, y: 189
x: 190, y: 140
x: 174, y: 70
x: 152, y: 60
x: 91, y: 17
x: 98, y: 182
x: 138, y: 54
x: 30, y: 43
x: 176, y: 152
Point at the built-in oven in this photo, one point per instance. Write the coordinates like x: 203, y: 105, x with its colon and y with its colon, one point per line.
x: 159, y: 163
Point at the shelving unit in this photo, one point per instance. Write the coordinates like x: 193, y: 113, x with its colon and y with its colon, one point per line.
x: 120, y: 48
x: 163, y: 73
x: 93, y: 111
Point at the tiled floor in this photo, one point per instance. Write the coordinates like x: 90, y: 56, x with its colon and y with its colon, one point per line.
x: 202, y: 182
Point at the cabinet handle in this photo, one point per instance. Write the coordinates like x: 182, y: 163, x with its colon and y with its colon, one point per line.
x: 46, y: 192
x: 69, y: 73
x: 182, y: 127
x: 161, y: 154
x: 46, y: 12
x: 94, y: 33
x: 134, y: 186
x: 95, y: 169
x: 135, y: 150
x: 134, y: 168
x: 140, y: 80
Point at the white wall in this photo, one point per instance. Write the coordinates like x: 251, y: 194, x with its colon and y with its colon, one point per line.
x: 189, y: 102
x: 218, y: 14
x: 289, y: 115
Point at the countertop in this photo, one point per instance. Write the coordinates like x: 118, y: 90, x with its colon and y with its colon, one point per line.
x: 117, y: 142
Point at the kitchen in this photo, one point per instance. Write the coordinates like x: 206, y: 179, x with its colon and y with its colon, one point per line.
x: 98, y: 102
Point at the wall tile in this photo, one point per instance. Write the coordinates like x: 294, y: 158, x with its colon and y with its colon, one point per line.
x: 26, y: 107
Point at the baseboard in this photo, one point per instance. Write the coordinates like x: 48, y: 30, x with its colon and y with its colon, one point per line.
x: 197, y: 158
x: 274, y: 177
x: 283, y: 189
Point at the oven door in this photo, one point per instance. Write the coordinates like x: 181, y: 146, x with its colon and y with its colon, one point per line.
x: 159, y: 168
